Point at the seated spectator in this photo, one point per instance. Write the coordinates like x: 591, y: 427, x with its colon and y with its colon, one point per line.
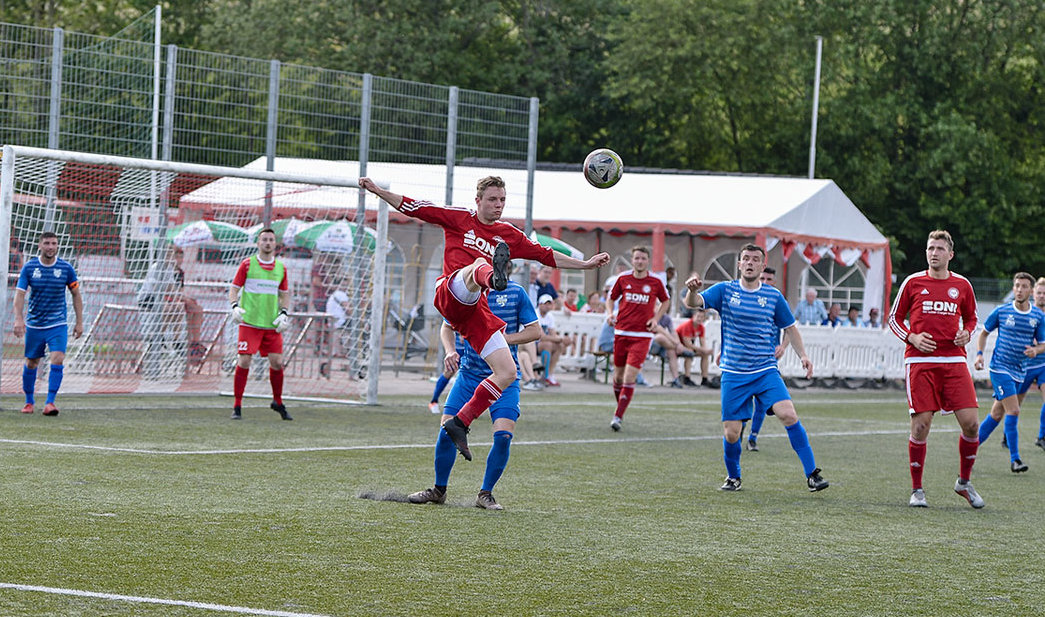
x: 551, y: 341
x: 527, y: 361
x: 852, y: 318
x: 873, y: 319
x: 569, y: 302
x: 691, y: 337
x: 811, y: 309
x: 666, y: 345
x: 594, y: 304
x: 834, y: 316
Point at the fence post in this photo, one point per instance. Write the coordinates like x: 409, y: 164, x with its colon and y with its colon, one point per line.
x: 272, y: 127
x: 168, y: 102
x: 531, y: 160
x: 54, y: 124
x: 451, y: 143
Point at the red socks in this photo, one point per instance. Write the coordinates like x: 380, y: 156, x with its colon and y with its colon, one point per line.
x: 916, y: 452
x: 483, y: 275
x: 967, y: 451
x: 239, y: 384
x: 616, y: 390
x: 626, y: 392
x: 276, y: 377
x: 484, y: 396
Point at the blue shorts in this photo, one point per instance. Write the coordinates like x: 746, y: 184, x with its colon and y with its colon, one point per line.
x: 464, y: 387
x: 1004, y: 385
x: 738, y: 391
x: 1034, y: 375
x: 55, y: 338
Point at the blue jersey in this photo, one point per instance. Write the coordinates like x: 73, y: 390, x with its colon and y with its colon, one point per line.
x: 1037, y: 361
x: 1016, y: 331
x: 751, y: 321
x: 514, y: 308
x: 47, y: 295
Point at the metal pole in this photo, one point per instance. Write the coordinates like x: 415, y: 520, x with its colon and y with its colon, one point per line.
x: 7, y: 192
x: 54, y: 125
x: 451, y: 143
x: 270, y: 137
x: 168, y: 102
x: 816, y: 105
x: 156, y: 65
x: 531, y: 161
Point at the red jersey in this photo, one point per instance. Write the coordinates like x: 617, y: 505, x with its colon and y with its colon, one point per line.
x: 465, y: 238
x: 688, y: 329
x: 939, y: 307
x: 637, y: 303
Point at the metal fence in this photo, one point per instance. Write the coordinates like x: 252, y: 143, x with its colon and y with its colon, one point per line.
x: 128, y: 95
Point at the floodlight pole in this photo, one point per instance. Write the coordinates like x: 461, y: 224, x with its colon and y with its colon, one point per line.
x: 816, y: 105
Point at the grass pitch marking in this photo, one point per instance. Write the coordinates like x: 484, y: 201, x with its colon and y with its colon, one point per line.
x: 243, y: 610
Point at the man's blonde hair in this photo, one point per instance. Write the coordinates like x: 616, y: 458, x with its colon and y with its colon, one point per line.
x: 486, y: 183
x: 1040, y: 282
x: 940, y: 234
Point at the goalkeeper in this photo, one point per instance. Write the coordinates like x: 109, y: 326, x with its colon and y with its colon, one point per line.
x: 260, y: 297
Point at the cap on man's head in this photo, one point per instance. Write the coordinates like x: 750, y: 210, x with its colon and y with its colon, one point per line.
x: 545, y: 298
x: 340, y: 296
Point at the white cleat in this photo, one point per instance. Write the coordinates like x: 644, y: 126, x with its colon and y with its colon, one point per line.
x: 966, y: 490
x: 918, y: 499
x: 615, y: 424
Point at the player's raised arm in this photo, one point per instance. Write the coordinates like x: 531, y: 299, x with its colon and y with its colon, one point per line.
x: 393, y: 199
x: 595, y: 261
x: 693, y: 298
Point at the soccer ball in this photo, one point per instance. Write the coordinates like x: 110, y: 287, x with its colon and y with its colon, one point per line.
x: 603, y: 168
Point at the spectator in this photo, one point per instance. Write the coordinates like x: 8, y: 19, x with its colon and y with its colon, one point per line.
x: 834, y: 316
x: 14, y: 262
x: 873, y: 319
x: 337, y: 307
x: 610, y: 280
x: 542, y: 285
x: 193, y: 311
x: 666, y: 345
x: 319, y: 284
x: 551, y: 341
x: 594, y: 304
x: 811, y: 310
x: 691, y: 336
x: 569, y: 302
x: 852, y: 319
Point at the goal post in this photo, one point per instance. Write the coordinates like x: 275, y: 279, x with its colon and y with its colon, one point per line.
x: 155, y: 245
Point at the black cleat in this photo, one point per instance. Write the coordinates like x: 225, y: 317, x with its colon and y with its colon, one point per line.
x: 1040, y: 443
x: 458, y: 433
x: 501, y: 257
x: 1018, y: 466
x: 752, y: 445
x: 429, y: 495
x: 236, y: 413
x: 1004, y: 442
x: 815, y: 482
x: 731, y: 484
x: 281, y: 409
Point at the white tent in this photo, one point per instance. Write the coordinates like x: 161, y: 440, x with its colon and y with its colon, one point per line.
x: 813, y: 217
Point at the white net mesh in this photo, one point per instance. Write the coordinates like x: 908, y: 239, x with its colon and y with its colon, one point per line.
x: 155, y: 252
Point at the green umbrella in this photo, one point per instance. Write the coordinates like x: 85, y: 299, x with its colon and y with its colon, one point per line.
x: 333, y: 236
x: 197, y: 233
x: 557, y: 245
x: 285, y: 230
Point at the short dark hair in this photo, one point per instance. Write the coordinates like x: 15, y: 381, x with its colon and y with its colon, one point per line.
x: 769, y: 270
x: 751, y: 248
x: 1025, y: 276
x: 267, y: 230
x: 48, y: 234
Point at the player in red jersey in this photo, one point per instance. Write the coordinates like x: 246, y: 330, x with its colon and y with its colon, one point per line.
x: 940, y: 311
x: 477, y: 248
x: 643, y: 301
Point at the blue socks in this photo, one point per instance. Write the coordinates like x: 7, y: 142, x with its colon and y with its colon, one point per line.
x: 731, y: 456
x: 54, y: 381
x: 1041, y: 422
x: 29, y: 384
x: 1012, y: 436
x: 497, y: 459
x: 796, y: 433
x: 756, y: 424
x: 987, y: 426
x: 440, y: 385
x: 445, y: 454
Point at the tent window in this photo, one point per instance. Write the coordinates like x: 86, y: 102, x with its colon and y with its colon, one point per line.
x: 836, y: 283
x: 722, y: 268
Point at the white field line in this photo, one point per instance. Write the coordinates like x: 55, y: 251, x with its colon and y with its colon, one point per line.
x: 243, y: 610
x: 547, y: 442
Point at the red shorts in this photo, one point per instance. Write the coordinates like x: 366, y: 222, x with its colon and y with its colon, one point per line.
x: 945, y: 387
x: 631, y: 350
x: 258, y: 340
x: 475, y: 322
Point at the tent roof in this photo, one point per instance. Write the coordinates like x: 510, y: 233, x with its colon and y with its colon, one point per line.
x: 788, y: 208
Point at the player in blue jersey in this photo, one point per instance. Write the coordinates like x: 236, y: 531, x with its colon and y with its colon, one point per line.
x: 1021, y: 336
x: 1036, y: 369
x: 47, y: 323
x: 751, y: 314
x: 513, y: 306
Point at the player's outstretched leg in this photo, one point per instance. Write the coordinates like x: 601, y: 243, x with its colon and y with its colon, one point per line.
x: 458, y: 434
x: 496, y: 461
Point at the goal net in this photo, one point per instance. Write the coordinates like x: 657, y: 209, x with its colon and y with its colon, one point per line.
x: 155, y: 246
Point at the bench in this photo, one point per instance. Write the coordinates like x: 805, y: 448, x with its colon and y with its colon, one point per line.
x: 584, y: 328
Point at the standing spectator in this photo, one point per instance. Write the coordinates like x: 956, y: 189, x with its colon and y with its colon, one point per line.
x: 873, y: 319
x: 935, y: 315
x: 542, y: 285
x: 551, y: 341
x: 14, y: 261
x: 569, y: 302
x: 834, y: 316
x: 643, y: 301
x: 691, y: 336
x: 811, y: 310
x: 751, y: 314
x: 852, y: 318
x: 260, y: 300
x: 318, y: 282
x: 512, y: 305
x: 47, y: 323
x: 1021, y: 337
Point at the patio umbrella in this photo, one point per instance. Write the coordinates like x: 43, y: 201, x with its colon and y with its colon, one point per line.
x: 197, y: 233
x: 333, y: 236
x: 557, y: 245
x: 285, y: 230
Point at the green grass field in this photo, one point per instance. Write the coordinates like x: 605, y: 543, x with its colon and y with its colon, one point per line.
x: 166, y: 500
